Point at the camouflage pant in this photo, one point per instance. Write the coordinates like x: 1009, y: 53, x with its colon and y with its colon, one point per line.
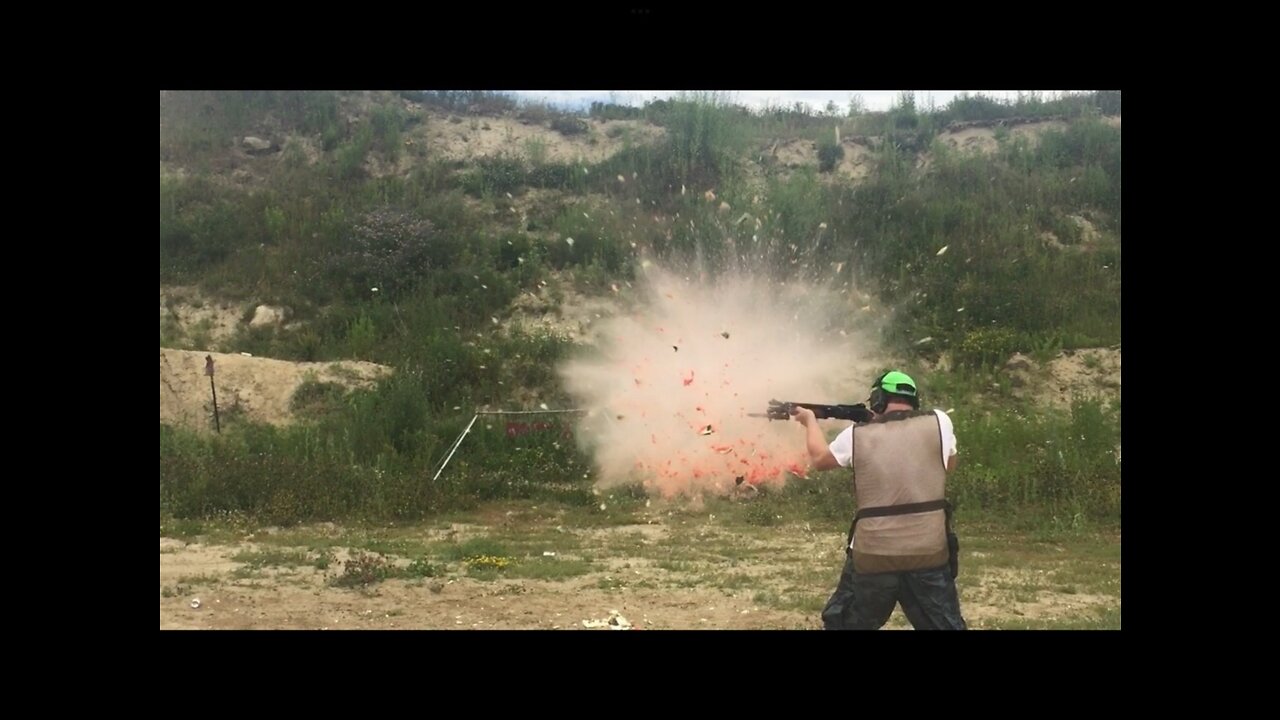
x: 865, y: 601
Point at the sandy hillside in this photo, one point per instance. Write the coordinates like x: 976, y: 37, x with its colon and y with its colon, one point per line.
x: 1087, y: 373
x: 257, y: 389
x: 799, y: 153
x: 796, y: 153
x: 983, y: 139
x: 460, y: 138
x: 188, y: 316
x: 428, y: 135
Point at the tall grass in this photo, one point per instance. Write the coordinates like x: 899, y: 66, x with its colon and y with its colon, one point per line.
x: 1015, y: 458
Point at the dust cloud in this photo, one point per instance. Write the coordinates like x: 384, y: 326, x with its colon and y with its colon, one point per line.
x: 670, y: 382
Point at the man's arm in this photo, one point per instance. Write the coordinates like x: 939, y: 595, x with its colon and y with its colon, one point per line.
x: 949, y: 450
x: 820, y: 456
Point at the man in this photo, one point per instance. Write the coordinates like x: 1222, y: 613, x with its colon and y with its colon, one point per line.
x: 900, y: 549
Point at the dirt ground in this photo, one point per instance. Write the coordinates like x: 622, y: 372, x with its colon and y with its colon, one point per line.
x: 303, y: 601
x: 673, y: 571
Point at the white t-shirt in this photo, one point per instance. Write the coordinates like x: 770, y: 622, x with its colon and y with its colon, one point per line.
x: 842, y: 446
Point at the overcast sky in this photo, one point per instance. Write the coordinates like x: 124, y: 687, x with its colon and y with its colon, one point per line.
x: 817, y: 99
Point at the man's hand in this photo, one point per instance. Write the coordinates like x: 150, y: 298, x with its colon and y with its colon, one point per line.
x: 803, y: 415
x: 820, y: 456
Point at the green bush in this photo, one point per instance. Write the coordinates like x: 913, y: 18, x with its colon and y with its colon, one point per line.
x: 829, y: 155
x: 986, y: 347
x: 315, y: 399
x: 495, y: 175
x: 569, y: 126
x: 390, y: 250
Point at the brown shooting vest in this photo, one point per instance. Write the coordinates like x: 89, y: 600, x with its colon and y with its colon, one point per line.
x: 900, y: 484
